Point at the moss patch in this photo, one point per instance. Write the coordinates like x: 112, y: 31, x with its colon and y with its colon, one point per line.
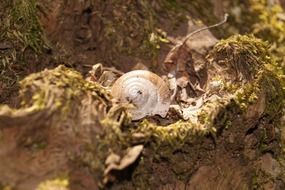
x: 261, y: 18
x: 243, y: 54
x: 61, y: 184
x: 21, y: 39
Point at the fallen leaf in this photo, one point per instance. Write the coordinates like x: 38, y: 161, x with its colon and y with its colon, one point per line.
x: 114, y: 162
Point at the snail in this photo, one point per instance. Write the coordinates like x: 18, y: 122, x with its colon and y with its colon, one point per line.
x: 149, y: 93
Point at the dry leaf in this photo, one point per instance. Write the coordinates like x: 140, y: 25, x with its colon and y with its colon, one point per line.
x: 114, y: 162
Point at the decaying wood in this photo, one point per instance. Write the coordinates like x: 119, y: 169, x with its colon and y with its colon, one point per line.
x: 66, y: 123
x: 224, y: 132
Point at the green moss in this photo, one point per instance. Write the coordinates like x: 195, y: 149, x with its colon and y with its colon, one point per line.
x: 173, y: 134
x: 20, y: 26
x: 274, y: 94
x: 70, y: 87
x: 243, y: 54
x: 25, y: 25
x: 247, y: 96
x: 267, y: 84
x: 261, y: 18
x: 251, y: 74
x: 251, y: 58
x: 246, y: 55
x: 61, y: 91
x: 59, y: 183
x: 21, y: 34
x: 61, y: 95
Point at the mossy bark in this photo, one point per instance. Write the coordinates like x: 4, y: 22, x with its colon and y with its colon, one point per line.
x: 77, y: 125
x: 65, y: 127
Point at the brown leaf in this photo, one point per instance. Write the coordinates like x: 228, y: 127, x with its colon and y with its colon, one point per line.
x: 188, y: 64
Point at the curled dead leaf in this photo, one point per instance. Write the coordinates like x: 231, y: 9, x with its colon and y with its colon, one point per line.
x: 115, y: 162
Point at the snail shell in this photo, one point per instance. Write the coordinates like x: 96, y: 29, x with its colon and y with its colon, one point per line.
x: 147, y: 91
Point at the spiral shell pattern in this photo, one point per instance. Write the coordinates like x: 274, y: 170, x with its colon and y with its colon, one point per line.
x: 147, y: 91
